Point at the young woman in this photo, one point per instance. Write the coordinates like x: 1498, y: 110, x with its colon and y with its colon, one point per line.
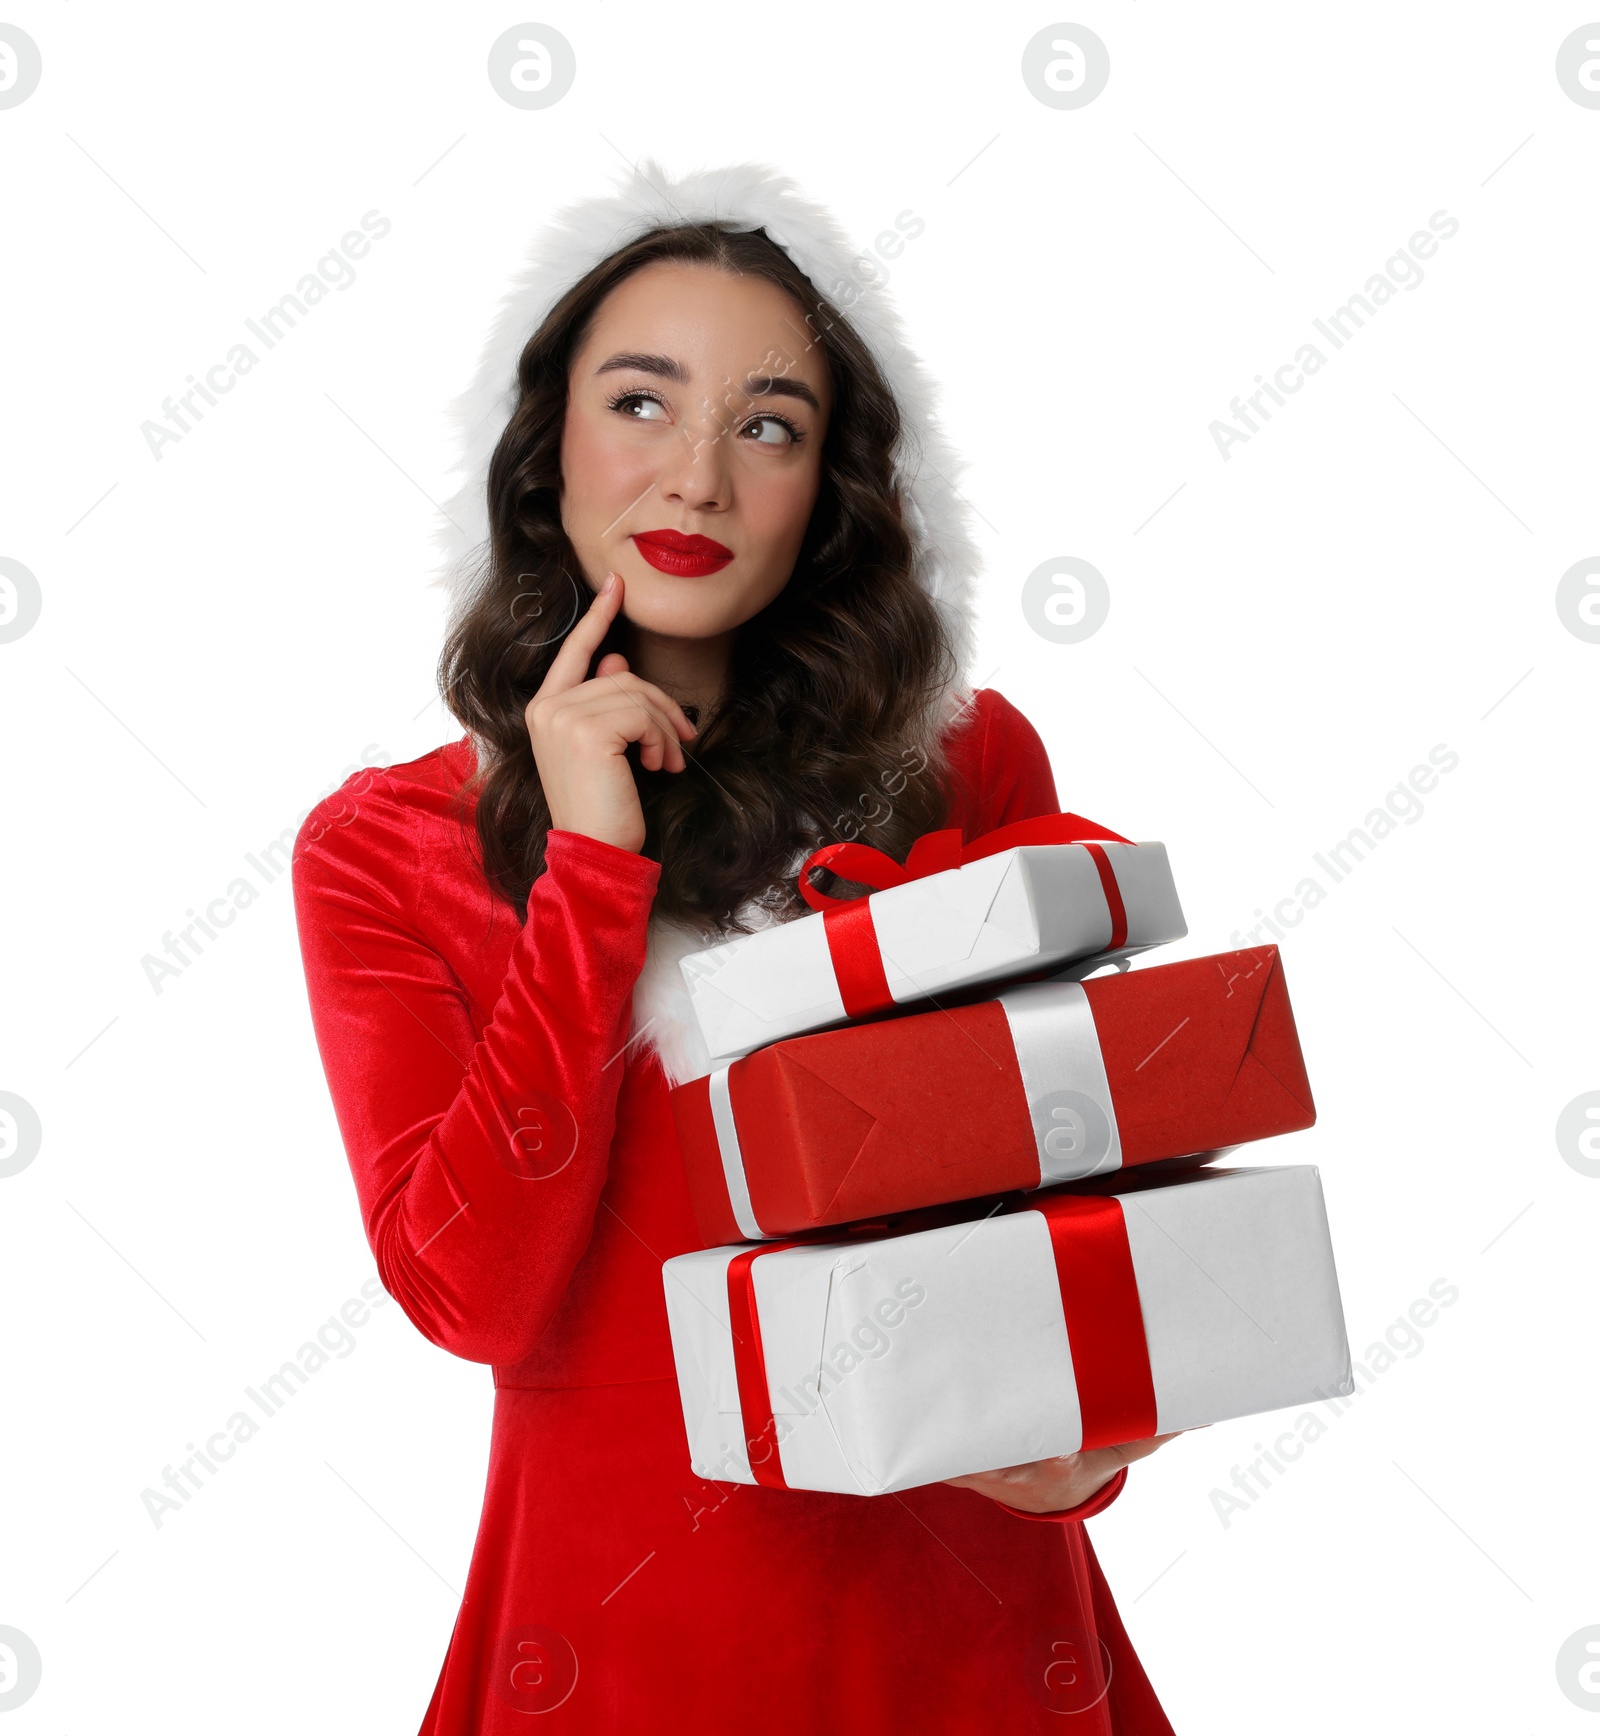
x: 722, y: 619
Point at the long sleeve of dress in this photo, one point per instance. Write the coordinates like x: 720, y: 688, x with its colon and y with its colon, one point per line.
x: 478, y: 1164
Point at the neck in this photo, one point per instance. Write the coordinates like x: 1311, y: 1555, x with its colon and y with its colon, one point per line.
x: 693, y: 671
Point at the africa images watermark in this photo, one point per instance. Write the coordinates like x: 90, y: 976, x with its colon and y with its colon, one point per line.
x: 1402, y: 270
x: 1403, y: 804
x: 838, y: 1363
x: 274, y: 1393
x: 334, y: 270
x: 270, y: 862
x: 912, y: 762
x: 1401, y: 1338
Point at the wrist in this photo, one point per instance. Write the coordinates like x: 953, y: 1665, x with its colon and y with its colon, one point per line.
x: 610, y: 862
x: 1085, y: 1509
x: 628, y: 838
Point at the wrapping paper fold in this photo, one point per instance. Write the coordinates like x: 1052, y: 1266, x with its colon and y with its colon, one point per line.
x: 1066, y: 1320
x: 1048, y: 1082
x: 1023, y: 909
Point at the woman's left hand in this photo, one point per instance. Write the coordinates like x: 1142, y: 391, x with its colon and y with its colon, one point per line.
x: 1052, y: 1485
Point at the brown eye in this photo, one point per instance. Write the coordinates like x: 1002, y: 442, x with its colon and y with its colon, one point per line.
x: 625, y: 399
x: 791, y: 435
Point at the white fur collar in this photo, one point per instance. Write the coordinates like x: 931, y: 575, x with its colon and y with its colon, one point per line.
x: 662, y: 1018
x: 751, y: 196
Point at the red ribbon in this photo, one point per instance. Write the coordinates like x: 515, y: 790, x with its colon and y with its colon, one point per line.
x: 750, y: 1369
x: 1099, y: 1302
x: 853, y: 941
x: 1105, y: 1324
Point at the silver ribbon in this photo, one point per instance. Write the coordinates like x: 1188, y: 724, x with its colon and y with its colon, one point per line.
x: 1064, y: 1080
x: 732, y: 1158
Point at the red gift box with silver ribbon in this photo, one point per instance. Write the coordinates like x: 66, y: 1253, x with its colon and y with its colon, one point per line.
x: 1048, y: 1082
x: 1028, y: 896
x: 1064, y: 1321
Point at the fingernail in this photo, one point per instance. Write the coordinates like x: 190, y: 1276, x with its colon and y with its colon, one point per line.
x: 611, y: 579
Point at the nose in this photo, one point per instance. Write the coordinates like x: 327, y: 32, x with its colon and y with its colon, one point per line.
x: 696, y: 469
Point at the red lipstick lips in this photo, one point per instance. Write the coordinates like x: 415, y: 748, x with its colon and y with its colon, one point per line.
x: 670, y: 551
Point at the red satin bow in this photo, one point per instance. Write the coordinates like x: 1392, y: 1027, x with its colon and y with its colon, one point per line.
x: 852, y: 939
x: 934, y: 852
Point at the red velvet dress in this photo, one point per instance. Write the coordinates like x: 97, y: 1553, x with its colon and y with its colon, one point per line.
x: 611, y: 1589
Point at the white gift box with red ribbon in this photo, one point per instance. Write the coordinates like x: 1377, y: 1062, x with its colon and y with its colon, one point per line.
x: 864, y: 1366
x: 1036, y: 894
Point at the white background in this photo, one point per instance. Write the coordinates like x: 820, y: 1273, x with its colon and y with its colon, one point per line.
x: 226, y: 630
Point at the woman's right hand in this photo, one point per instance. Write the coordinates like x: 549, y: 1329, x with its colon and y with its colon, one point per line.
x: 580, y: 727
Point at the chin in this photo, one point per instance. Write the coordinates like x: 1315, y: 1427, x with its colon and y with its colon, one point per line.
x: 682, y: 620
x: 686, y: 608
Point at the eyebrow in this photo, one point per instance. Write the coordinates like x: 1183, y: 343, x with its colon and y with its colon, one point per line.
x: 756, y: 386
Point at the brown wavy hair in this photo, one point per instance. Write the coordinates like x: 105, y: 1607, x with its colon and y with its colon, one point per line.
x: 828, y: 728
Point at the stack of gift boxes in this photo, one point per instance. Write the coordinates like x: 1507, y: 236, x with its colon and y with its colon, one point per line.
x: 960, y: 1197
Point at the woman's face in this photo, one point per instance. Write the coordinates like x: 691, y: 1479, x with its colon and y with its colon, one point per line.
x: 696, y: 409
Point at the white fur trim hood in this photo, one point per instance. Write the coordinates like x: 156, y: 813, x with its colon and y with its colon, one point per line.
x: 749, y: 196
